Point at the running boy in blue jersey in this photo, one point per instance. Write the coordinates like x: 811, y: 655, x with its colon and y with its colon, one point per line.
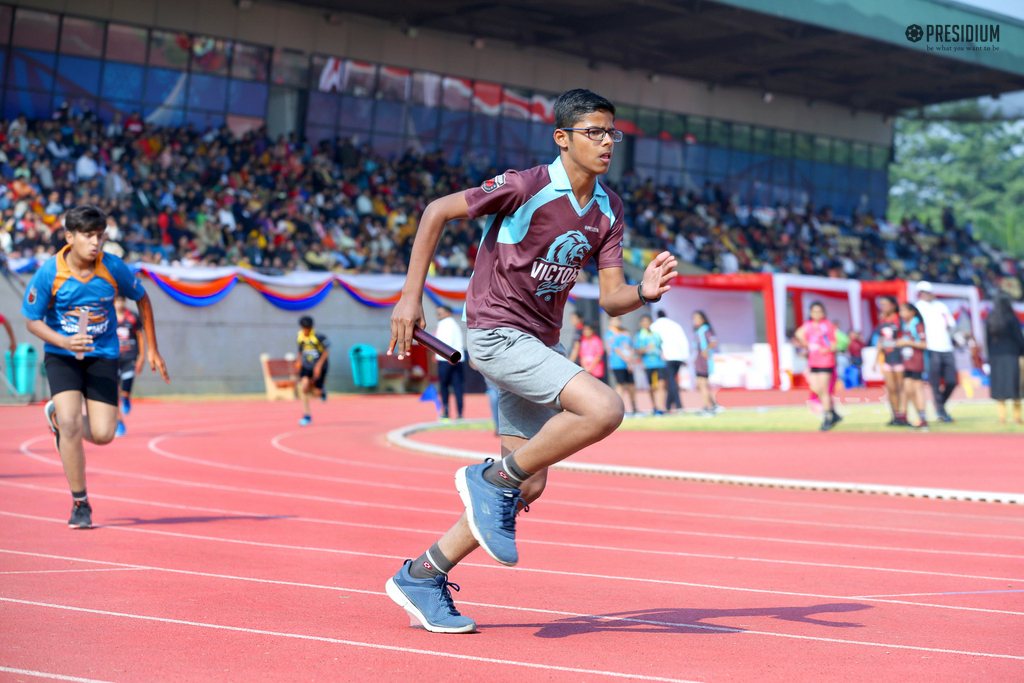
x: 80, y: 283
x: 541, y: 226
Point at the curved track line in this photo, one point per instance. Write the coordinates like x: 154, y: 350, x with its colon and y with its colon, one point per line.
x: 603, y: 618
x: 421, y: 510
x: 560, y: 544
x: 52, y: 677
x: 399, y: 437
x: 276, y: 443
x: 556, y: 572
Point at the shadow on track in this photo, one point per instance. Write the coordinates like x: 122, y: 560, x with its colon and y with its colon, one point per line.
x: 681, y: 620
x: 137, y: 521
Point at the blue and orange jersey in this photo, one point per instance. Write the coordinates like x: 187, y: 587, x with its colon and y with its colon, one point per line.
x: 55, y: 295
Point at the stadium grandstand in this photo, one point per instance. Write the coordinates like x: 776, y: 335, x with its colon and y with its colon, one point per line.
x: 309, y: 135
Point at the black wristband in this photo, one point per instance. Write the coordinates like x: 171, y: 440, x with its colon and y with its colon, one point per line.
x: 640, y: 292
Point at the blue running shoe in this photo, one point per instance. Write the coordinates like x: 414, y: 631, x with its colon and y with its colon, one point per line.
x: 120, y: 429
x: 126, y: 405
x: 428, y: 601
x: 306, y: 419
x: 491, y: 512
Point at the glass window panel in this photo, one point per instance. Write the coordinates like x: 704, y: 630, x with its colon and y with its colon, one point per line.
x: 209, y: 93
x: 783, y: 146
x: 697, y: 126
x: 453, y: 154
x: 645, y: 152
x: 456, y: 93
x: 126, y: 43
x: 164, y: 116
x: 481, y: 159
x: 77, y: 76
x: 360, y: 78
x: 718, y: 133
x: 803, y: 173
x: 426, y: 88
x: 647, y: 172
x: 166, y: 87
x: 673, y: 125
x: 204, y: 120
x: 485, y: 131
x: 693, y: 180
x: 422, y: 123
x: 822, y: 179
x: 822, y: 149
x: 107, y: 109
x: 122, y: 81
x: 388, y: 146
x: 486, y: 98
x: 541, y: 139
x: 696, y: 158
x: 626, y: 120
x: 741, y: 137
x: 356, y: 113
x: 803, y: 146
x: 34, y: 105
x: 390, y: 118
x: 169, y: 49
x: 290, y: 68
x: 35, y: 30
x: 514, y: 160
x: 782, y: 170
x: 859, y: 179
x: 718, y: 161
x: 670, y: 178
x: 356, y: 137
x: 32, y: 70
x: 515, y: 134
x: 250, y: 62
x: 317, y: 134
x: 6, y: 14
x: 649, y: 121
x: 515, y: 104
x: 860, y: 155
x: 210, y: 55
x: 840, y: 177
x: 81, y: 37
x: 672, y: 155
x: 760, y: 168
x: 3, y: 61
x: 879, y: 157
x: 740, y: 163
x: 454, y: 127
x: 323, y: 109
x: 762, y: 140
x: 394, y: 83
x: 840, y: 152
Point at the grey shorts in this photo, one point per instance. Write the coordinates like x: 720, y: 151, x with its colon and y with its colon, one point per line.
x: 529, y: 375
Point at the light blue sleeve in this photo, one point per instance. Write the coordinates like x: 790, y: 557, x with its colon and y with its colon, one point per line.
x: 40, y: 289
x: 128, y: 284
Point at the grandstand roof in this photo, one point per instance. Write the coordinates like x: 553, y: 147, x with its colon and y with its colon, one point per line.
x: 851, y: 52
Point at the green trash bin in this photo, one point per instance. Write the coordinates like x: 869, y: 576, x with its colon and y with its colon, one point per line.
x: 364, y: 365
x: 21, y: 369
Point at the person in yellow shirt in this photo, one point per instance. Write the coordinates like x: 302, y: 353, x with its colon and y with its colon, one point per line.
x: 311, y: 365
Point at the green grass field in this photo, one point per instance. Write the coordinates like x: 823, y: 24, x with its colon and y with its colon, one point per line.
x: 970, y: 418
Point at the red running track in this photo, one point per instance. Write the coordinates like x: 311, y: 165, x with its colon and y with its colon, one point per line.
x: 236, y: 546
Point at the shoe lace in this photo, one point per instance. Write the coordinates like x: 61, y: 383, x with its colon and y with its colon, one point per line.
x: 446, y: 597
x: 509, y: 509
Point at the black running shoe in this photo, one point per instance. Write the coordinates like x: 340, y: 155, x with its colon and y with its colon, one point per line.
x: 827, y: 423
x: 51, y: 421
x: 81, y: 515
x: 836, y: 418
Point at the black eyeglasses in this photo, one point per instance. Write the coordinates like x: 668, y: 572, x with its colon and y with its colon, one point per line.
x: 597, y: 134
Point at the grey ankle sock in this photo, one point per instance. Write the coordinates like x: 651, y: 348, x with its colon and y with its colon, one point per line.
x: 430, y: 564
x: 506, y: 473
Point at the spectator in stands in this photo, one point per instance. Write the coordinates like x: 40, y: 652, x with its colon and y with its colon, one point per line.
x: 1005, y: 348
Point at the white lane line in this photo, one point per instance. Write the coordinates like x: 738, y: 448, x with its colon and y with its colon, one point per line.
x: 400, y: 438
x: 561, y: 544
x: 52, y: 677
x: 605, y: 619
x: 72, y: 571
x: 276, y: 443
x: 911, y: 595
x: 455, y: 511
x: 355, y: 643
x: 555, y: 572
x: 154, y: 447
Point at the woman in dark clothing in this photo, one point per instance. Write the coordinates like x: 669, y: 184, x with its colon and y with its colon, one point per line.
x: 1005, y: 347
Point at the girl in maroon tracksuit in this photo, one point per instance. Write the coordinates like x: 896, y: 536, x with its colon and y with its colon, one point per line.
x: 911, y: 343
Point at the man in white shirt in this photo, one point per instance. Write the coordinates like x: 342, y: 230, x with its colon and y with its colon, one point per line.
x: 449, y: 376
x: 675, y: 347
x: 938, y: 324
x: 86, y: 167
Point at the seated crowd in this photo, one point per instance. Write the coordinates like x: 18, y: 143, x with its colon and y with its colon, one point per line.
x: 207, y: 198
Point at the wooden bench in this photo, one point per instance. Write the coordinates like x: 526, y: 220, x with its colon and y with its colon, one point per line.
x: 408, y: 374
x: 279, y: 376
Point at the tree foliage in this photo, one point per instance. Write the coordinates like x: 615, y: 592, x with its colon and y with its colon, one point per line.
x: 977, y: 168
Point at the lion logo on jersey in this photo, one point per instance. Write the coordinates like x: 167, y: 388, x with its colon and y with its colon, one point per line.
x: 561, y: 265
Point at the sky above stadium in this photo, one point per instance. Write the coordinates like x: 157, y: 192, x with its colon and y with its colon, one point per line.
x: 1010, y: 8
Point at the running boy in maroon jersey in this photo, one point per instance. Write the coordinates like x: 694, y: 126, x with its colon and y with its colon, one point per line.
x: 540, y: 227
